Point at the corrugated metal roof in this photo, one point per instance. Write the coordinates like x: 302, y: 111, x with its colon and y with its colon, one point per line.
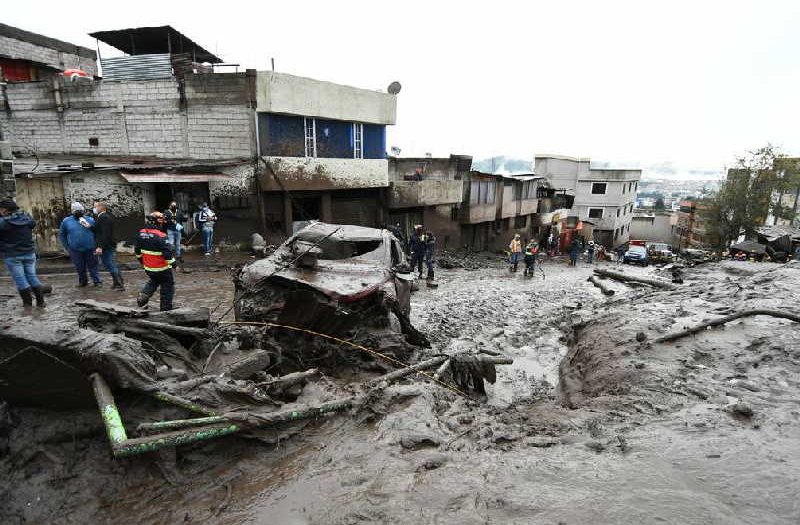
x: 160, y: 39
x: 138, y: 67
x: 162, y: 176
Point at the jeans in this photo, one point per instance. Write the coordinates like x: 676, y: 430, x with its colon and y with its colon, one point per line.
x: 108, y: 260
x: 85, y: 260
x: 208, y: 239
x: 174, y: 238
x: 166, y: 281
x: 515, y: 257
x: 589, y: 257
x: 418, y: 258
x: 23, y: 270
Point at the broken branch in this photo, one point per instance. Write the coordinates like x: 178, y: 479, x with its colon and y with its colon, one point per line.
x: 726, y: 319
x: 603, y: 287
x: 624, y: 277
x: 403, y: 372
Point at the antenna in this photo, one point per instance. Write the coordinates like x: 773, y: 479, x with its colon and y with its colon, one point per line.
x: 394, y: 88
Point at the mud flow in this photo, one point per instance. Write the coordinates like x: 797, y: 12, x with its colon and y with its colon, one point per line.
x: 545, y: 399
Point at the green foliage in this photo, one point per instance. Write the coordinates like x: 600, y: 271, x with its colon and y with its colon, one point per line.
x: 659, y: 205
x: 745, y: 199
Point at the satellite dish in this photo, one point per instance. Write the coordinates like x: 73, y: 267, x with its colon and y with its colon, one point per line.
x: 394, y: 88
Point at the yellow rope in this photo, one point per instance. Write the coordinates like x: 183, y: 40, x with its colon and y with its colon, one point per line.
x: 448, y: 386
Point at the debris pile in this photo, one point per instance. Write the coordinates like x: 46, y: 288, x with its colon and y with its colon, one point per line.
x: 463, y: 259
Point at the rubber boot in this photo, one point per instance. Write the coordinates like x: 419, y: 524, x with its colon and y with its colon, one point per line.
x: 27, y: 298
x: 165, y: 305
x: 37, y: 292
x: 119, y: 284
x: 430, y: 276
x: 142, y: 299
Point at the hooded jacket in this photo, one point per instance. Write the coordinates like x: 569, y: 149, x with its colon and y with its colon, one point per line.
x: 74, y: 236
x: 16, y: 234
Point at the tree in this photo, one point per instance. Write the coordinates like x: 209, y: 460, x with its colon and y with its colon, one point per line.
x: 745, y: 199
x: 659, y: 205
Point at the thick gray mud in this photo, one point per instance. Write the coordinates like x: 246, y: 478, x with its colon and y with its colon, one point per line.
x: 591, y: 424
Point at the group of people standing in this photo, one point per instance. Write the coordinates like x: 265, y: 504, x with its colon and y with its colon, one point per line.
x: 531, y: 251
x: 88, y: 237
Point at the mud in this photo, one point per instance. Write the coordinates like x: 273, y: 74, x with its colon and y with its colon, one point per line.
x: 594, y: 422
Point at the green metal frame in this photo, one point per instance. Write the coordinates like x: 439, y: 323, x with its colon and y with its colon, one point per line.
x: 185, y: 431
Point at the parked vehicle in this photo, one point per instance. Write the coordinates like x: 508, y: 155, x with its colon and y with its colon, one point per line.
x: 659, y: 252
x: 636, y: 254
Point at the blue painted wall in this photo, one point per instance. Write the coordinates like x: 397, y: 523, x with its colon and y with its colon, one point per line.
x: 284, y: 136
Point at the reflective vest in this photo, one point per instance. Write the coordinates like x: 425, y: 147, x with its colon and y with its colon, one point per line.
x: 153, y: 251
x: 515, y: 246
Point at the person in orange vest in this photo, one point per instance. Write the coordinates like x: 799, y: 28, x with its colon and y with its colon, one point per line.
x: 156, y: 256
x: 516, y: 252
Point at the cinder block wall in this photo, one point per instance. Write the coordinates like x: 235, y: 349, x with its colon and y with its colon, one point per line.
x: 137, y: 118
x: 54, y: 58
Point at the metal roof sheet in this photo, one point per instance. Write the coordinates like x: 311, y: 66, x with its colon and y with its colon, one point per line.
x: 154, y: 40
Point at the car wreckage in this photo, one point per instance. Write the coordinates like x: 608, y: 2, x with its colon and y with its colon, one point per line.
x: 332, y: 279
x: 335, y: 296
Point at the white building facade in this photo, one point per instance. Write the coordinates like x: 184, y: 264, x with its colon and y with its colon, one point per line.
x: 604, y: 197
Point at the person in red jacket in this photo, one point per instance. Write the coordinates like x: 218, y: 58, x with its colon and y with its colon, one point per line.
x: 156, y: 256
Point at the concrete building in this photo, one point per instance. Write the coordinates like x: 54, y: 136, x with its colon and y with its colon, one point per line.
x: 137, y: 144
x: 653, y: 225
x: 26, y: 56
x: 495, y: 207
x: 604, y: 197
x: 323, y: 152
x: 428, y: 191
x: 690, y: 228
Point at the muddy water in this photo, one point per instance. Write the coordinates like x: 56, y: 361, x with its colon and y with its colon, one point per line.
x: 640, y: 455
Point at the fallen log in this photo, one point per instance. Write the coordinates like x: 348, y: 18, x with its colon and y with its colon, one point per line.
x: 603, y: 287
x: 198, y: 317
x: 404, y: 372
x: 289, y: 379
x: 726, y: 319
x: 111, y: 309
x: 171, y: 328
x: 624, y: 277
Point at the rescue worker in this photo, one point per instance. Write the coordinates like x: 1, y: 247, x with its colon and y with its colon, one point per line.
x: 531, y: 250
x: 155, y: 255
x: 106, y: 243
x: 421, y: 246
x: 574, y: 251
x: 19, y: 251
x: 590, y: 252
x: 515, y: 247
x: 621, y: 253
x: 430, y: 244
x: 77, y: 237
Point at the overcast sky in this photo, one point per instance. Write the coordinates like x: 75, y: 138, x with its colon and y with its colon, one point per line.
x: 694, y: 83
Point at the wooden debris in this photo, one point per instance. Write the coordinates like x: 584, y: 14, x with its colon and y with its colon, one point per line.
x: 624, y: 277
x: 603, y: 287
x: 404, y: 372
x: 726, y: 319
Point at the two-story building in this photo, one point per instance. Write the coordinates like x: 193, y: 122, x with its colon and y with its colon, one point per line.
x: 322, y: 150
x: 604, y: 197
x: 428, y: 191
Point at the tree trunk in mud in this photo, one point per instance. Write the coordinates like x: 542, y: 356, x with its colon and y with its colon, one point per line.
x: 603, y: 287
x: 624, y: 277
x: 728, y: 318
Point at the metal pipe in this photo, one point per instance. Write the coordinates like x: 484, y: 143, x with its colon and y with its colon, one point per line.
x: 135, y: 446
x: 108, y: 410
x: 177, y: 424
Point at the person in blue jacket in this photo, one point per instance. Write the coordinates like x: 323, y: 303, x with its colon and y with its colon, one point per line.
x: 77, y: 238
x: 19, y: 251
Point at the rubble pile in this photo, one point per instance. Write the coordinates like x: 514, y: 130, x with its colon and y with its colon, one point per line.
x: 463, y: 259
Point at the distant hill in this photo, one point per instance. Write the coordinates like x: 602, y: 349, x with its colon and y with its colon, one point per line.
x: 662, y: 170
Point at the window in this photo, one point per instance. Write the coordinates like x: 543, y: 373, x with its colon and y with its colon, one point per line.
x: 358, y: 140
x: 520, y: 221
x: 598, y: 188
x: 481, y: 192
x: 310, y: 126
x: 623, y: 188
x: 617, y: 212
x: 595, y: 213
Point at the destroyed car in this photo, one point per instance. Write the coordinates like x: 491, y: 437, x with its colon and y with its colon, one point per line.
x: 331, y: 279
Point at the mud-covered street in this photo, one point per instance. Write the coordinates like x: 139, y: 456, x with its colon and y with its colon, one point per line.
x: 594, y: 422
